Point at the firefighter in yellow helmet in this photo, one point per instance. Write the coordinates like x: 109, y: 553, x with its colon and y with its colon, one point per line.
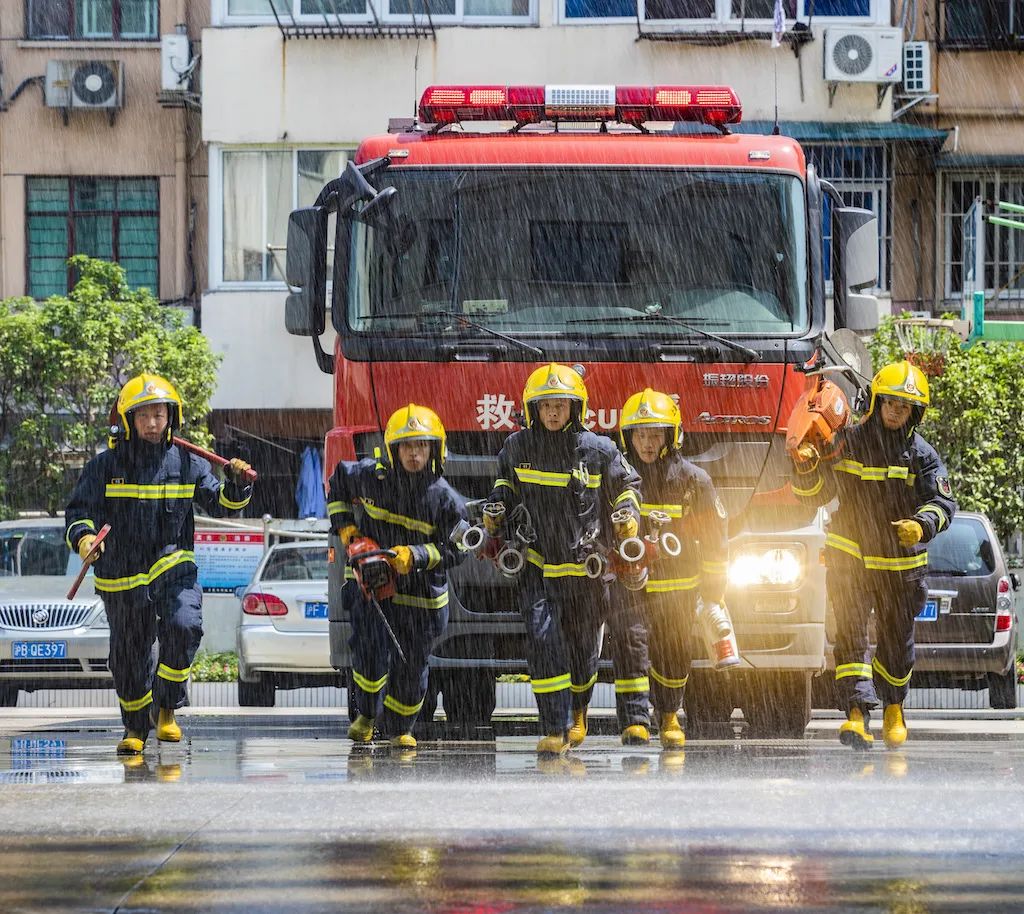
x: 650, y: 430
x: 894, y: 496
x: 143, y: 486
x: 402, y: 504
x: 570, y: 481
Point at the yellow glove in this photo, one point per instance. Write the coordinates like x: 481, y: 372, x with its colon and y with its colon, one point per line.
x: 807, y: 453
x: 909, y: 531
x: 626, y: 528
x: 85, y: 547
x: 347, y: 534
x: 238, y: 468
x: 401, y: 561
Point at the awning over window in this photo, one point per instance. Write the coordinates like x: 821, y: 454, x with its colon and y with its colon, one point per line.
x: 849, y: 131
x: 975, y: 160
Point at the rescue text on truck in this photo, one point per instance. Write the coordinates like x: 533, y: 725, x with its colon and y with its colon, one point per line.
x: 626, y: 230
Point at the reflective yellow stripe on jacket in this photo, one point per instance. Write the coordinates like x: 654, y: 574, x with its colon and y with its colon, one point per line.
x: 389, y: 517
x: 563, y: 570
x: 151, y: 493
x: 159, y: 567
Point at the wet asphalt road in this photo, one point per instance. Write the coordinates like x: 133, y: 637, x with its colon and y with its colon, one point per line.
x: 276, y: 813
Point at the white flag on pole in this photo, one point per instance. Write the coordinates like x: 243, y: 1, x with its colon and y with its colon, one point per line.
x: 778, y: 24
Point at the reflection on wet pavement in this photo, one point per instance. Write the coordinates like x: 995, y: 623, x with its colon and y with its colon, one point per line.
x: 282, y: 815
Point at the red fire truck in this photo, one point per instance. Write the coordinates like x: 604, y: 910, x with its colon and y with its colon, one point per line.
x: 627, y: 230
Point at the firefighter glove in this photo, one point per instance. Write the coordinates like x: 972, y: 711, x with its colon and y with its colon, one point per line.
x: 909, y: 531
x: 238, y: 468
x: 624, y: 529
x: 401, y: 561
x: 808, y: 454
x: 85, y: 547
x: 347, y: 534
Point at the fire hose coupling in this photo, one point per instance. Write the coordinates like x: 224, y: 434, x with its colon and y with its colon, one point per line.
x: 482, y: 539
x: 595, y: 565
x: 664, y: 539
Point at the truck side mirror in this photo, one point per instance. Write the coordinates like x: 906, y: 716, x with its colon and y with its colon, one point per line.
x: 306, y: 271
x: 855, y: 250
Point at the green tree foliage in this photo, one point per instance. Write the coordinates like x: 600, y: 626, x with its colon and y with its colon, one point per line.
x: 62, y: 362
x: 975, y: 421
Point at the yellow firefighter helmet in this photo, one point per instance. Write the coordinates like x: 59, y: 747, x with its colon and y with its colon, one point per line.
x: 651, y: 409
x: 143, y: 391
x: 901, y: 381
x: 416, y: 423
x: 552, y: 382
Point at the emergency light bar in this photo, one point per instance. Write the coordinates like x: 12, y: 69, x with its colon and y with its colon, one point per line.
x: 716, y: 105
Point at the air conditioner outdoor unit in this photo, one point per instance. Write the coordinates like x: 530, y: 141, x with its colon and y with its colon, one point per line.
x: 917, y: 68
x: 84, y: 84
x: 863, y: 55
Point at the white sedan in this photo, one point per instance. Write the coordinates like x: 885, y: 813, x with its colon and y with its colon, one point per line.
x: 282, y: 633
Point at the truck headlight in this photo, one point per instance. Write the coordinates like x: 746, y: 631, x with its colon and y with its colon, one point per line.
x: 767, y: 566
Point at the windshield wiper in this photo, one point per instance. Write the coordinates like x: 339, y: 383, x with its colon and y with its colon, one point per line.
x: 465, y: 321
x: 653, y: 313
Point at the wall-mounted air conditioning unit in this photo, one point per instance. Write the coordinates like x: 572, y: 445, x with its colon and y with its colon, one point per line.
x: 917, y: 68
x: 856, y: 54
x: 84, y: 84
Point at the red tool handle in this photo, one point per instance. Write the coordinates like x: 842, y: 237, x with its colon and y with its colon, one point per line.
x: 250, y: 474
x: 93, y: 554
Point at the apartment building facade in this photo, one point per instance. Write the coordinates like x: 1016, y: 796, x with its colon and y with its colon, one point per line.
x: 100, y: 144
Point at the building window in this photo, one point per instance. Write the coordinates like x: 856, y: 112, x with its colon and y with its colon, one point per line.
x: 260, y: 188
x: 863, y: 176
x: 319, y: 11
x: 1004, y: 247
x: 722, y: 12
x: 110, y: 218
x: 983, y: 23
x: 93, y: 19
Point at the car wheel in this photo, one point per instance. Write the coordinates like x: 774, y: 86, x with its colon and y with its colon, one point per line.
x: 709, y: 703
x: 260, y: 693
x: 1002, y: 689
x: 469, y: 697
x: 8, y: 695
x: 777, y: 705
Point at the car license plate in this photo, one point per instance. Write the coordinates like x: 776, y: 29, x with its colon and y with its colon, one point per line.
x: 39, y: 650
x: 930, y: 612
x: 316, y: 610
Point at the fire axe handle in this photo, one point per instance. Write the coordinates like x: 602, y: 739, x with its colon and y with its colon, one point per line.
x: 250, y: 474
x: 93, y: 553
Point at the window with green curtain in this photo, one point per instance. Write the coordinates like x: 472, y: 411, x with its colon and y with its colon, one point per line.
x: 110, y: 218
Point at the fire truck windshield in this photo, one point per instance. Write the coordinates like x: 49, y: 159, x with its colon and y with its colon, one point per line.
x: 526, y: 250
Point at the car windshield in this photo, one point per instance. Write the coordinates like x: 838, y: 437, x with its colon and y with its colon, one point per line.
x: 526, y: 250
x: 33, y: 550
x: 964, y: 550
x: 304, y: 564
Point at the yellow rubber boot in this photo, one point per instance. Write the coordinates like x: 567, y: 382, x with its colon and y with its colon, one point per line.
x: 894, y: 727
x: 132, y: 743
x: 854, y: 731
x: 578, y: 730
x: 403, y: 741
x: 167, y: 729
x: 168, y: 774
x: 361, y: 729
x: 670, y: 732
x: 553, y: 744
x: 635, y: 735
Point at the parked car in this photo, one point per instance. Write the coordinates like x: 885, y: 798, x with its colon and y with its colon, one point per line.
x: 282, y: 633
x: 47, y: 641
x: 967, y: 635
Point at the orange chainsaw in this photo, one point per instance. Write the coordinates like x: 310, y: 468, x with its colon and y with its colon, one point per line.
x: 819, y: 414
x: 375, y: 577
